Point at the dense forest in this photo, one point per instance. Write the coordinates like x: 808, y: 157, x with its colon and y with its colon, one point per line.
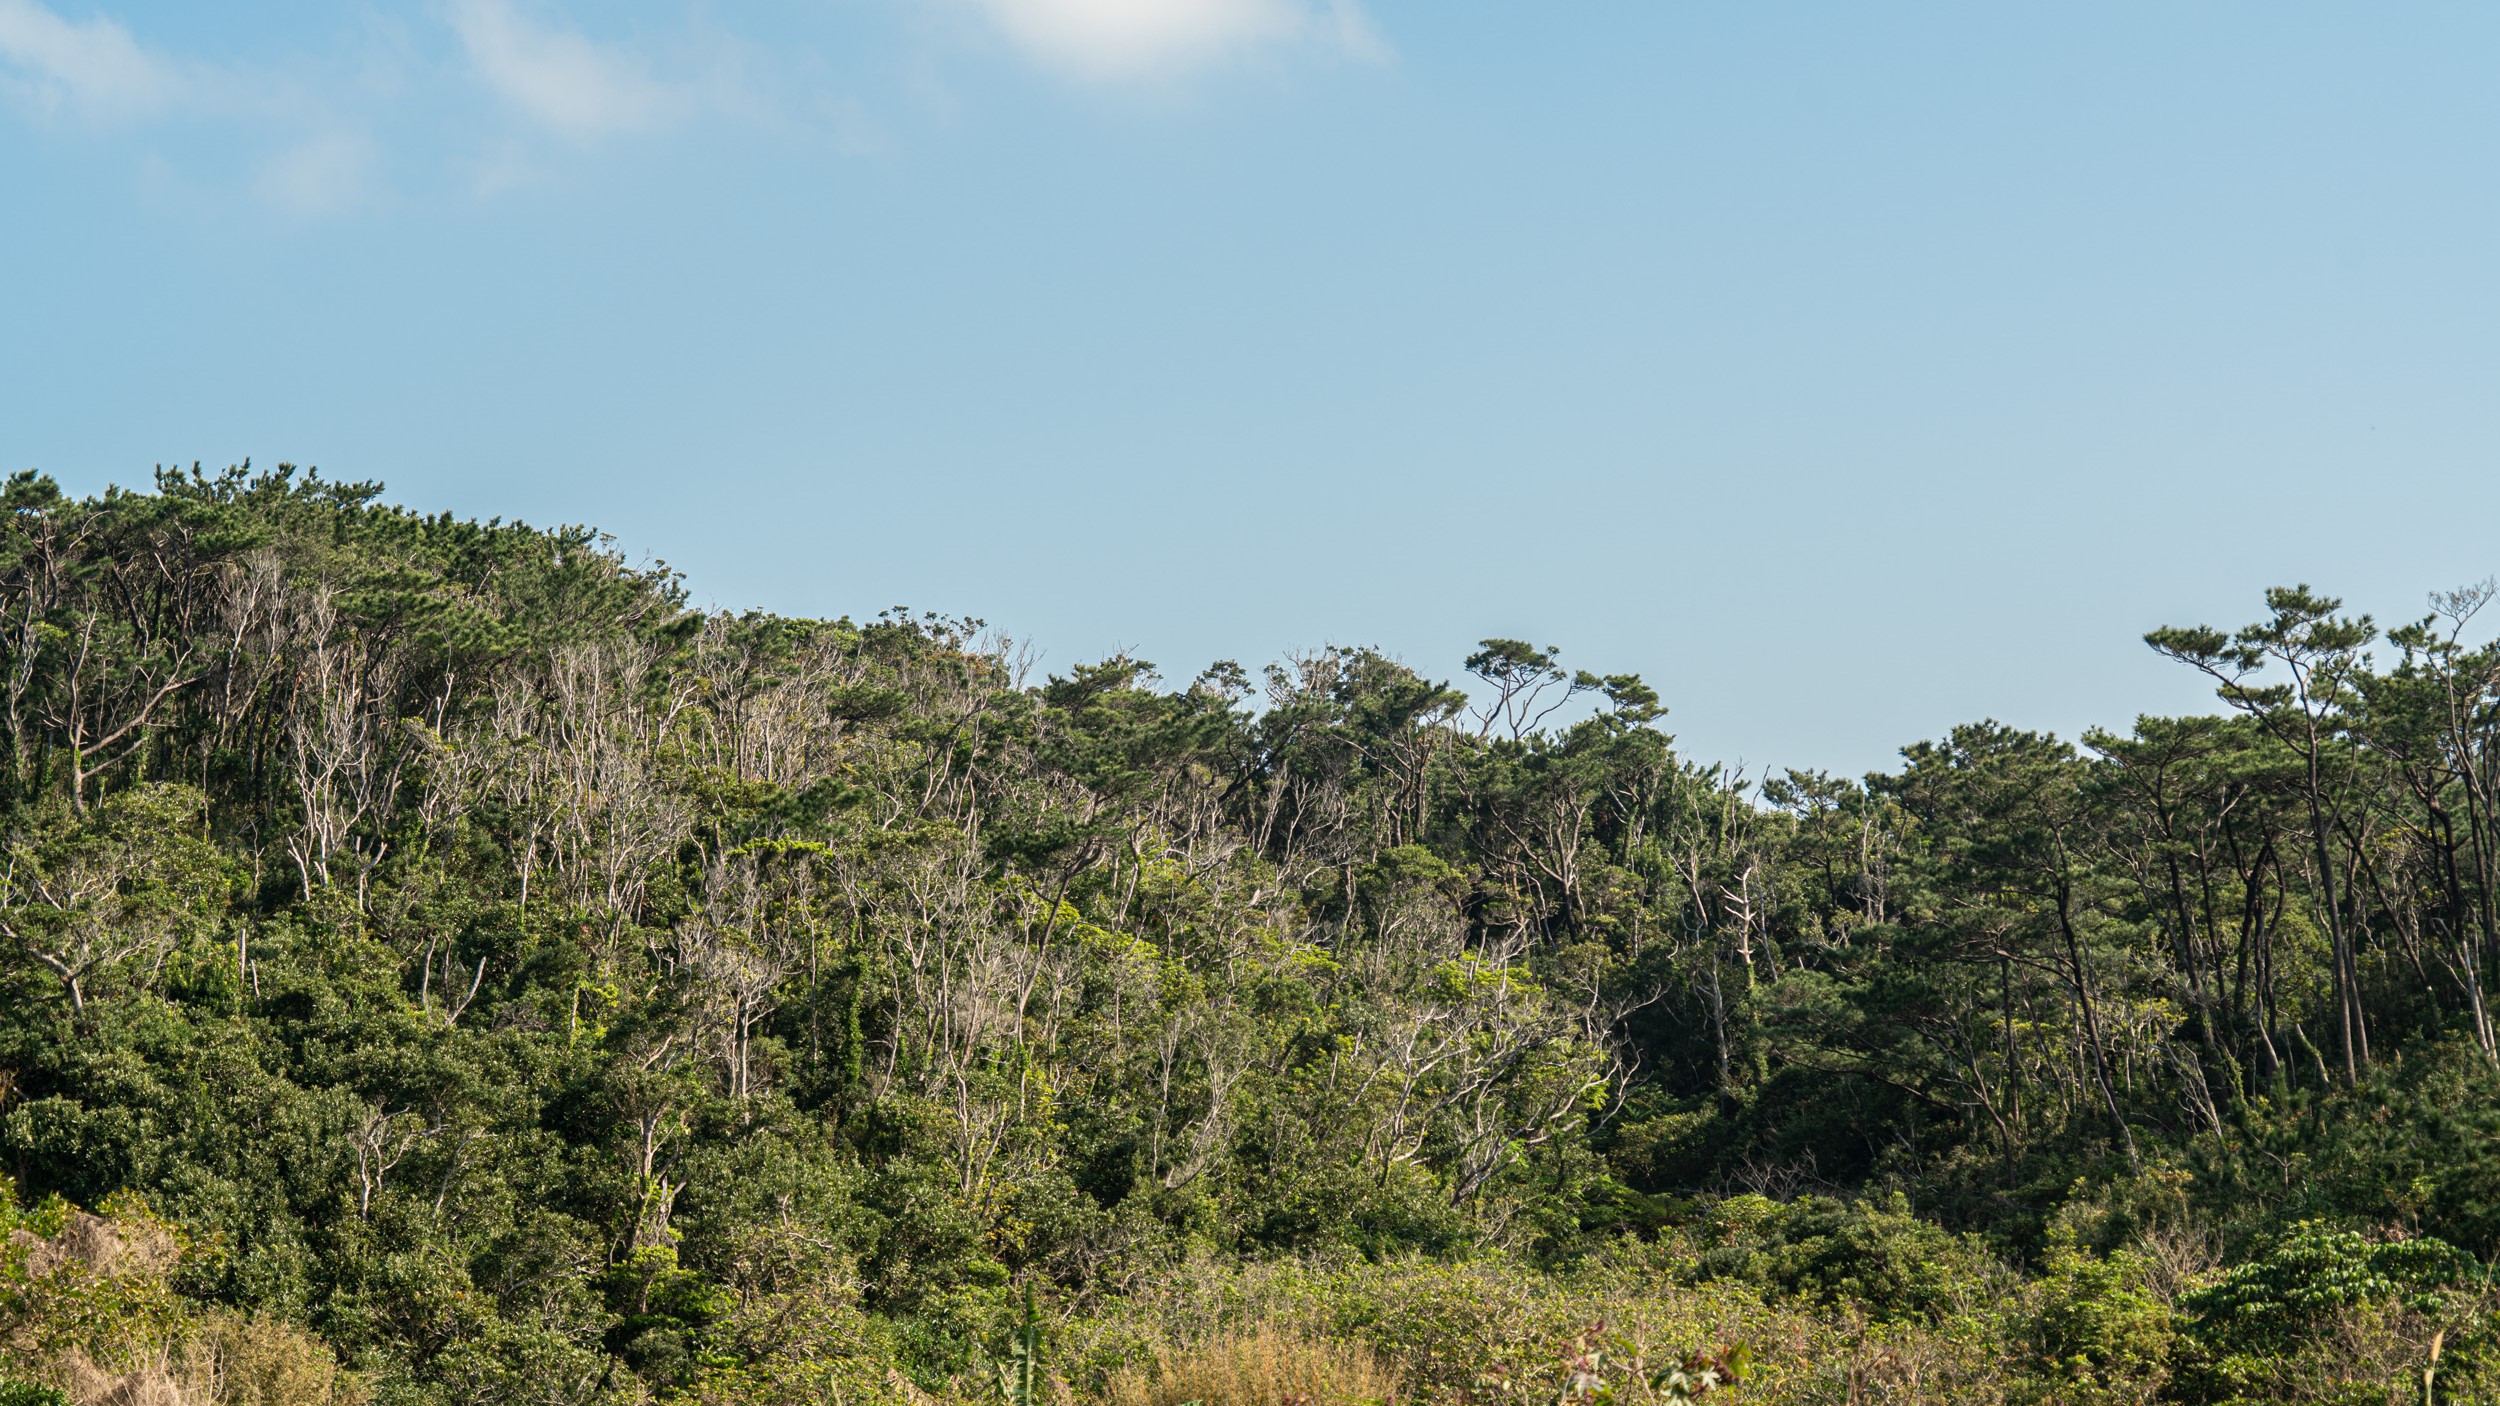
x: 438, y: 965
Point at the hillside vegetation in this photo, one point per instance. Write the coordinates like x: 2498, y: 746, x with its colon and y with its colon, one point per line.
x: 439, y: 966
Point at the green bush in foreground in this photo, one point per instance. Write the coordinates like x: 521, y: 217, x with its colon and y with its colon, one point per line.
x: 2327, y: 1313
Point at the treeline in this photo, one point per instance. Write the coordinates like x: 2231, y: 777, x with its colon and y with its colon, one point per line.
x: 546, y: 992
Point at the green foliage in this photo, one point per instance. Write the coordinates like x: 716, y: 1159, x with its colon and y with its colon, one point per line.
x: 2101, y: 1331
x: 551, y: 993
x: 1017, y: 1371
x: 2315, y: 1271
x: 2327, y: 1313
x: 1603, y: 1368
x: 1874, y: 1256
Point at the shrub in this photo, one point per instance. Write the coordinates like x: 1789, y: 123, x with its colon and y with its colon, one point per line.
x: 1874, y: 1256
x: 2101, y: 1334
x: 265, y: 1362
x: 2311, y: 1274
x: 1601, y: 1368
x: 2328, y: 1315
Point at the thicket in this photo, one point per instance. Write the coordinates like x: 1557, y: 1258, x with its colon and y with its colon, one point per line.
x: 453, y: 970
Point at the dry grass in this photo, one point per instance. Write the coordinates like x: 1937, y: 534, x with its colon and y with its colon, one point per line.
x: 1262, y: 1367
x: 152, y: 1384
x: 94, y: 1246
x: 1444, y: 1327
x: 229, y: 1362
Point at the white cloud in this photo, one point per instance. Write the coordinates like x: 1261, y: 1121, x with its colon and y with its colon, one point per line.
x: 94, y: 67
x: 1130, y: 39
x: 320, y: 176
x: 557, y: 76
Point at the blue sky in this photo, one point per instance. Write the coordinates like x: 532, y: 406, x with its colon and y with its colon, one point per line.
x: 1850, y: 371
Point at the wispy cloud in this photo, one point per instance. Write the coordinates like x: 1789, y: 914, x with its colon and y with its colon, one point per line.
x: 93, y: 68
x: 305, y: 133
x: 1132, y: 39
x: 320, y: 176
x: 558, y: 76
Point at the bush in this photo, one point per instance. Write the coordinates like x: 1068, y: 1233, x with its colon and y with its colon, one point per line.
x: 2100, y: 1332
x: 2312, y: 1273
x: 1874, y: 1256
x: 2332, y: 1315
x: 265, y: 1362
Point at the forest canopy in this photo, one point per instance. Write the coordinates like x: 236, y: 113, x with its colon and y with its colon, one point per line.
x: 438, y: 964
